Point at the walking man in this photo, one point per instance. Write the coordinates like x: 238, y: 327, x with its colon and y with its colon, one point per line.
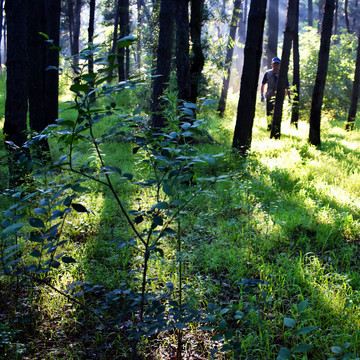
x: 270, y: 81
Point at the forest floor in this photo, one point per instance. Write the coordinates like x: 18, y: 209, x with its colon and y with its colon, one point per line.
x: 269, y: 257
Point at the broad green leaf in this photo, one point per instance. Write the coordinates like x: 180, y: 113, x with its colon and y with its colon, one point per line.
x: 336, y: 349
x: 13, y: 229
x: 68, y: 259
x: 289, y: 322
x: 306, y: 330
x: 161, y: 205
x: 190, y: 105
x: 80, y: 88
x: 168, y: 190
x: 224, y: 311
x: 36, y: 223
x: 217, y: 337
x: 302, y: 306
x: 40, y: 211
x: 284, y: 354
x: 36, y: 253
x: 207, y: 328
x: 303, y: 348
x: 79, y: 208
x: 157, y: 221
x: 222, y: 325
x: 126, y: 41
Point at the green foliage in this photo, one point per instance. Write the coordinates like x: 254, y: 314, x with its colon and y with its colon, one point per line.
x: 340, y: 73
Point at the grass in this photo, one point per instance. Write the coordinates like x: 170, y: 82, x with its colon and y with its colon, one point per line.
x: 287, y: 220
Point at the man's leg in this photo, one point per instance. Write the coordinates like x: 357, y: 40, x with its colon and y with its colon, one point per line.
x: 269, y: 113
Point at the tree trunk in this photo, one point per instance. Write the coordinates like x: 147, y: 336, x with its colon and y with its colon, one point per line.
x: 17, y: 66
x: 310, y: 13
x: 76, y: 30
x: 250, y: 75
x: 347, y: 22
x: 123, y: 57
x: 197, y: 59
x: 273, y: 34
x: 242, y: 24
x: 290, y: 29
x: 37, y: 62
x: 355, y: 91
x: 1, y: 29
x: 16, y: 85
x: 336, y: 17
x: 140, y: 4
x: 323, y: 61
x: 164, y: 57
x: 229, y: 55
x: 114, y: 47
x: 296, y: 76
x: 51, y: 95
x: 320, y: 13
x: 182, y: 50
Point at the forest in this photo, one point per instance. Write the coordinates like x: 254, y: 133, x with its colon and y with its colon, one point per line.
x: 180, y: 179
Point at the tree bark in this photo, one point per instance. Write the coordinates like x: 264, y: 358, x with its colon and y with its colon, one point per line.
x: 296, y: 75
x: 250, y: 75
x: 17, y: 66
x: 290, y: 29
x: 273, y: 34
x: 323, y: 61
x: 123, y: 53
x: 182, y: 50
x: 1, y: 29
x: 51, y: 95
x: 197, y: 59
x: 310, y: 13
x: 347, y: 22
x: 164, y: 57
x: 355, y: 91
x: 229, y: 55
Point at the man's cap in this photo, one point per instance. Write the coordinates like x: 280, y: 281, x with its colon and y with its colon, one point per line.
x: 276, y: 60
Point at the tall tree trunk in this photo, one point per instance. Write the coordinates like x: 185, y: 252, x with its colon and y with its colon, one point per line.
x: 197, y: 59
x: 320, y: 13
x: 229, y: 55
x: 242, y: 24
x: 323, y: 61
x: 182, y: 50
x: 336, y: 17
x: 16, y: 84
x: 355, y: 91
x: 164, y: 57
x: 1, y: 29
x: 347, y: 22
x: 123, y: 57
x: 310, y: 13
x: 250, y: 75
x: 51, y: 95
x: 76, y: 33
x: 90, y: 40
x: 37, y: 63
x: 296, y: 76
x: 290, y: 29
x: 114, y: 47
x: 273, y: 21
x: 140, y: 5
x: 17, y: 66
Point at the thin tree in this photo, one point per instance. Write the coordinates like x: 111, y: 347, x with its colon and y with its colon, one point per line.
x: 290, y: 30
x: 355, y: 91
x: 296, y: 75
x: 347, y: 22
x: 273, y: 31
x: 310, y: 13
x: 197, y: 59
x: 123, y: 53
x: 164, y: 58
x: 16, y: 83
x: 250, y: 75
x: 229, y: 55
x: 323, y: 62
x: 74, y: 19
x: 1, y: 29
x: 182, y: 50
